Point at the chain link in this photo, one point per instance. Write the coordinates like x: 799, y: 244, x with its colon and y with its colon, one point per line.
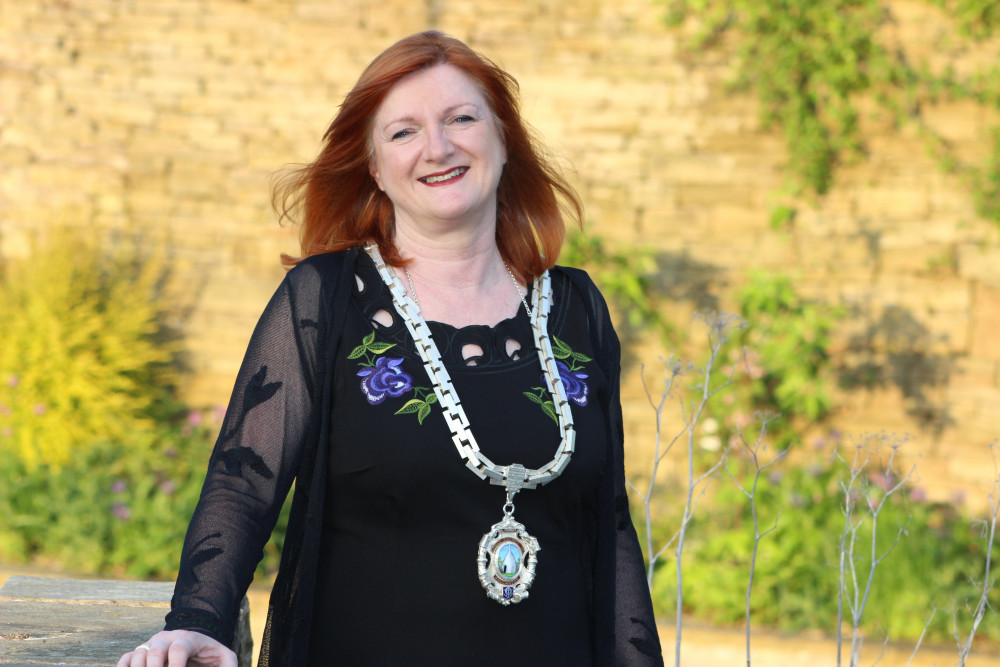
x: 515, y: 476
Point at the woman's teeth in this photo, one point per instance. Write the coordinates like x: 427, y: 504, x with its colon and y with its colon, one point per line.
x: 458, y: 171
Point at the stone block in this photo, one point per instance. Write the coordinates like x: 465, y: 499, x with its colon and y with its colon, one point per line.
x: 703, y: 196
x: 985, y: 337
x: 836, y: 254
x: 956, y: 120
x: 934, y: 259
x: 979, y: 263
x: 892, y: 202
x: 729, y: 221
x: 975, y: 371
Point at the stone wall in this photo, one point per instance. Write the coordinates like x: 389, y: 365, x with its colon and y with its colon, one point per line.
x: 167, y: 118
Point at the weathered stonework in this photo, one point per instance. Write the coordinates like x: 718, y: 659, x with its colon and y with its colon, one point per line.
x: 167, y: 118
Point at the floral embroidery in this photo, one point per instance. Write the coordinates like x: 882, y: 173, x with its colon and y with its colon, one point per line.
x: 384, y: 377
x: 573, y: 378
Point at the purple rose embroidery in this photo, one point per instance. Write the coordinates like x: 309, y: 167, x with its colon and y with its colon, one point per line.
x: 385, y: 378
x: 577, y: 389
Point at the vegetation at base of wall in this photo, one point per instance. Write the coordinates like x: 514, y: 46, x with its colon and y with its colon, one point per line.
x: 82, y: 353
x: 814, y: 67
x: 121, y: 507
x: 936, y: 564
x: 101, y: 465
x: 784, y: 350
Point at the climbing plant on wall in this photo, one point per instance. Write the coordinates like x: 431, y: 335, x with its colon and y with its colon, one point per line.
x: 815, y: 65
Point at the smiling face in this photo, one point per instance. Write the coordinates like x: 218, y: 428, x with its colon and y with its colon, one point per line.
x: 438, y: 154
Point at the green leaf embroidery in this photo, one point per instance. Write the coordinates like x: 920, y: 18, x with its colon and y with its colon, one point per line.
x: 369, y: 339
x: 548, y: 407
x: 561, y: 350
x: 422, y: 413
x: 533, y: 397
x: 412, y: 405
x: 432, y: 398
x: 379, y: 348
x: 579, y: 356
x: 356, y: 352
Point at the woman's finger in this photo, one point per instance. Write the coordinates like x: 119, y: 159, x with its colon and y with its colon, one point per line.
x: 180, y: 652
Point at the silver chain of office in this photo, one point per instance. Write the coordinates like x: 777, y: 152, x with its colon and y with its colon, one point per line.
x: 508, y: 554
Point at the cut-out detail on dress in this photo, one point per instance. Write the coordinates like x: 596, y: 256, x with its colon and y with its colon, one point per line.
x: 360, y: 283
x: 512, y: 347
x: 472, y: 353
x: 383, y: 317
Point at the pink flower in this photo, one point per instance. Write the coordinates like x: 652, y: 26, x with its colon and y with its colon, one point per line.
x: 121, y: 511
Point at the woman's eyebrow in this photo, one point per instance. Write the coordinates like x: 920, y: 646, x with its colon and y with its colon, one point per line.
x: 409, y: 118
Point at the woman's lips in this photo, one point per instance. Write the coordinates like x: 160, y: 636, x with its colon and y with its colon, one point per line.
x: 444, y: 177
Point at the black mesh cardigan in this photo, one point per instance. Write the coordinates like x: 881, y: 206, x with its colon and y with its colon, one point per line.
x: 279, y: 414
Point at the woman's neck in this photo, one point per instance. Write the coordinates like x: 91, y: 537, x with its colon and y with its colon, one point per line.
x: 460, y: 279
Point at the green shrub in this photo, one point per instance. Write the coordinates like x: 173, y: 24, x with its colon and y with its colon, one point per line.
x: 101, y: 466
x: 936, y: 563
x: 79, y: 357
x: 783, y: 357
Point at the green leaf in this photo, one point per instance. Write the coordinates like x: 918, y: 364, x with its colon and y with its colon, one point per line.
x: 412, y: 405
x: 356, y: 352
x: 431, y: 399
x: 579, y: 356
x: 548, y: 407
x: 533, y: 397
x: 369, y: 339
x: 422, y: 413
x: 379, y: 348
x: 561, y: 350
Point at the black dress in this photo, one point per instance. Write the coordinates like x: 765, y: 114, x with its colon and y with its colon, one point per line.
x: 428, y: 517
x: 397, y: 578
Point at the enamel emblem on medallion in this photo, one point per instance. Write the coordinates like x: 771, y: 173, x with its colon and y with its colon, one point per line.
x: 507, y: 561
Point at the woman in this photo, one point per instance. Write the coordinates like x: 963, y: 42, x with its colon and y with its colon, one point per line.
x: 421, y: 375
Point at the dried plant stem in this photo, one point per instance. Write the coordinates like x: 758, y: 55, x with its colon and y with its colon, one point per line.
x: 856, y: 488
x: 719, y: 326
x: 989, y: 533
x: 754, y: 450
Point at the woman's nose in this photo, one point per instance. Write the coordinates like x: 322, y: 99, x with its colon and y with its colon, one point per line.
x: 438, y: 145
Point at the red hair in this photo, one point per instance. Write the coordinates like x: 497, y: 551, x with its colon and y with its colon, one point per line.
x: 341, y: 205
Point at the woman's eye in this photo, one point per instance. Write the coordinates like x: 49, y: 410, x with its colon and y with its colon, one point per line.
x: 464, y: 119
x: 401, y: 134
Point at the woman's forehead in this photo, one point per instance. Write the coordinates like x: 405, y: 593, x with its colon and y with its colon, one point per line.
x: 438, y: 88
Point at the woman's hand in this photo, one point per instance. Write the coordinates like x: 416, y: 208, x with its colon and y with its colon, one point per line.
x: 178, y: 648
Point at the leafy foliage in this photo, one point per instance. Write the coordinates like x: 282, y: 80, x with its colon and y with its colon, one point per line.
x: 785, y: 351
x: 937, y: 562
x: 80, y: 359
x: 118, y: 507
x: 815, y: 65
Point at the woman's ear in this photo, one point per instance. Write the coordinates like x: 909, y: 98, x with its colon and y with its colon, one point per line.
x: 373, y: 170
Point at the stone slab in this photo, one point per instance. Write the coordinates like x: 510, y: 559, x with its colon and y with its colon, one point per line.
x: 57, y: 621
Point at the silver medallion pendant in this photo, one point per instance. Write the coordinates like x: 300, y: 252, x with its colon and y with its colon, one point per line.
x: 507, y: 560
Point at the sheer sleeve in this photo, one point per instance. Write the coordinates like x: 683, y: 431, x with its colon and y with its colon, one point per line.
x: 256, y: 456
x: 625, y: 628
